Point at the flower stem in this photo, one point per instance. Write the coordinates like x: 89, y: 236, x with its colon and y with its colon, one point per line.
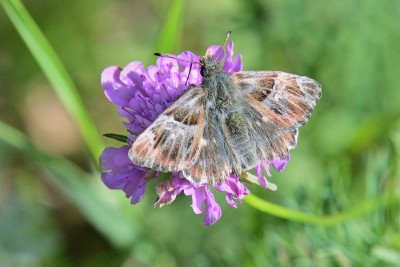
x: 330, y: 220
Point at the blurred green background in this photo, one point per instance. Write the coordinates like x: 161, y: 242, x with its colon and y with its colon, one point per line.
x: 348, y: 154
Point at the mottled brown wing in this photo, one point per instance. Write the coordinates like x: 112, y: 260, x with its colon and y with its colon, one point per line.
x: 282, y: 103
x: 174, y: 139
x: 289, y: 99
x: 213, y: 162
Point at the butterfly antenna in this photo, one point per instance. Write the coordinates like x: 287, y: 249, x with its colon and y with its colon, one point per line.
x: 190, y: 69
x: 169, y: 56
x: 176, y: 58
x: 228, y: 34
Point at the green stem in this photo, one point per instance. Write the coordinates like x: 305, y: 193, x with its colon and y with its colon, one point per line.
x: 294, y: 215
x: 55, y: 73
x: 171, y: 31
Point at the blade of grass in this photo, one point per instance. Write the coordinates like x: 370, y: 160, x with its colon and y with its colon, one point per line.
x: 362, y: 208
x: 55, y: 73
x: 118, y: 227
x: 171, y: 33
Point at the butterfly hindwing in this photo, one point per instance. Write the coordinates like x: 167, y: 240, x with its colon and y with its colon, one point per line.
x: 215, y: 157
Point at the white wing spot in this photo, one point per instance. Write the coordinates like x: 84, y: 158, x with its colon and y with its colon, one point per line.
x: 150, y: 137
x: 203, y: 142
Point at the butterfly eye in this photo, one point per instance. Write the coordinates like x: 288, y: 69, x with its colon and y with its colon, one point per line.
x: 202, y: 71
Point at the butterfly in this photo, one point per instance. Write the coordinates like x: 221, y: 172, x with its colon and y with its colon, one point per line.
x: 228, y: 124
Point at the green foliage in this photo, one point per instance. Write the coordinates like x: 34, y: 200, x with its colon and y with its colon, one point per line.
x: 55, y: 72
x: 338, y: 199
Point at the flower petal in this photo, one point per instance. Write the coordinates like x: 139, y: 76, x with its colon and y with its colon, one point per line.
x: 237, y: 64
x: 229, y: 53
x: 114, y: 89
x: 280, y: 164
x: 234, y: 189
x: 198, y: 196
x: 120, y: 173
x: 132, y: 75
x: 213, y: 210
x: 214, y: 51
x: 263, y: 182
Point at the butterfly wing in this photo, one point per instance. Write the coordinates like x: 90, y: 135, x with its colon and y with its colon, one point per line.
x: 280, y: 103
x: 174, y: 139
x: 289, y: 98
x: 213, y: 163
x: 186, y: 137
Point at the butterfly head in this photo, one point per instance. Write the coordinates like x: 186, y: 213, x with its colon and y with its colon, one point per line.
x: 209, y: 67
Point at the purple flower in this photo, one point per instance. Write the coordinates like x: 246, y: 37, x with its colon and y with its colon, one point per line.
x: 278, y: 165
x: 169, y: 189
x: 141, y: 94
x: 120, y: 173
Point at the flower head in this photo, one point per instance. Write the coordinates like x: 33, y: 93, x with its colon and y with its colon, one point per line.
x: 141, y: 95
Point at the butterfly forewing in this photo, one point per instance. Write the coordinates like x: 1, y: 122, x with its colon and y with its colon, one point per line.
x: 174, y: 139
x: 283, y: 102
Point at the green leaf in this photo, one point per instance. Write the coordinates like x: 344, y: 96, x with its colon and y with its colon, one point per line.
x: 55, y: 73
x: 172, y: 30
x: 118, y: 137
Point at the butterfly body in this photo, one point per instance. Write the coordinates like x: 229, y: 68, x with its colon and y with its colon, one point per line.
x: 228, y: 124
x: 226, y: 105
